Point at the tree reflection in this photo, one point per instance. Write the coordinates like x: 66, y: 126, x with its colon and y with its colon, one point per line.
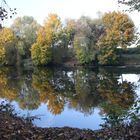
x: 15, y: 86
x: 118, y: 97
x: 115, y: 92
x: 42, y: 83
x: 28, y: 97
x: 81, y: 89
x: 86, y: 96
x: 6, y: 91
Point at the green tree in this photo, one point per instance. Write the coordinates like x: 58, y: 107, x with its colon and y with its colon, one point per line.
x: 119, y: 32
x: 87, y: 34
x: 25, y: 29
x: 64, y: 51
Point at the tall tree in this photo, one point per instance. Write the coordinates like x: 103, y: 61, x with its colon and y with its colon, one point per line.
x: 25, y: 29
x: 47, y: 39
x: 119, y: 32
x: 87, y: 34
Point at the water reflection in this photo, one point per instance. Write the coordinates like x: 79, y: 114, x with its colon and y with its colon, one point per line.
x: 80, y: 89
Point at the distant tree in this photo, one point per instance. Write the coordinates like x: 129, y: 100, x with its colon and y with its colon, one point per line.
x: 25, y: 29
x: 133, y: 4
x: 119, y: 32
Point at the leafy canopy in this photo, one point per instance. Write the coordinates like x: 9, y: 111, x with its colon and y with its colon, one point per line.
x: 47, y: 38
x: 119, y: 32
x: 25, y: 28
x: 7, y: 38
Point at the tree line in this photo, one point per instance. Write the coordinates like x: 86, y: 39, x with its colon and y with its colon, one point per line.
x: 85, y: 40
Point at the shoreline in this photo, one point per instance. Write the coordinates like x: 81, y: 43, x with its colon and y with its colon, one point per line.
x: 13, y: 127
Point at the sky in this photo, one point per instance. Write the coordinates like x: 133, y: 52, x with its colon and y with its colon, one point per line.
x: 39, y: 9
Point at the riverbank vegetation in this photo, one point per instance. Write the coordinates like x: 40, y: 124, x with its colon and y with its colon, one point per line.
x: 75, y: 42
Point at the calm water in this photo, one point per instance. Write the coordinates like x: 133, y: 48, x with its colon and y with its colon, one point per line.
x: 71, y: 97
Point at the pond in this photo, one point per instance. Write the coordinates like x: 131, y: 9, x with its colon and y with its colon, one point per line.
x: 74, y: 97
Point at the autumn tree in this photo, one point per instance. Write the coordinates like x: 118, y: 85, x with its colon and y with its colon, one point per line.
x: 47, y: 39
x: 7, y: 47
x: 119, y: 32
x: 133, y: 5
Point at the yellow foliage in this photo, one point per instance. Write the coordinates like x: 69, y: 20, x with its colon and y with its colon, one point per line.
x: 6, y: 36
x: 41, y: 36
x: 119, y: 32
x: 41, y: 50
x: 2, y: 55
x: 119, y: 28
